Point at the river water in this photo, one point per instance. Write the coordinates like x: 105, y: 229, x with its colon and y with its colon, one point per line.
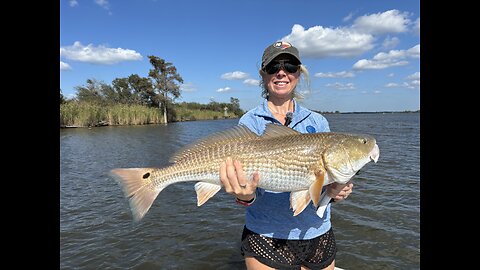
x: 377, y: 227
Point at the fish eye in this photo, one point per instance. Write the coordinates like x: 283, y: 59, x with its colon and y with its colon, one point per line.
x: 364, y: 141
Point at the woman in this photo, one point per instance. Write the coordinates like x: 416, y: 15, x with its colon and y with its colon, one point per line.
x: 272, y: 236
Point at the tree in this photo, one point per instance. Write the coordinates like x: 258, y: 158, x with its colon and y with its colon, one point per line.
x: 122, y: 90
x: 91, y: 92
x: 165, y: 77
x: 62, y: 98
x: 235, y: 106
x: 143, y: 91
x: 109, y: 96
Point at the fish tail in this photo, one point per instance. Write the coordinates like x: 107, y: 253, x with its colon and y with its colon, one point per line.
x: 136, y: 184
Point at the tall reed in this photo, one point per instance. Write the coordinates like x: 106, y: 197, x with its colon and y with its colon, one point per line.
x: 83, y: 114
x: 185, y: 114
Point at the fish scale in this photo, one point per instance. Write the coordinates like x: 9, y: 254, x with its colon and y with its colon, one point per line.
x: 288, y: 169
x: 287, y: 161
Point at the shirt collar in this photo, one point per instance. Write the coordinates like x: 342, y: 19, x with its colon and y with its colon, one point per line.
x: 299, y: 112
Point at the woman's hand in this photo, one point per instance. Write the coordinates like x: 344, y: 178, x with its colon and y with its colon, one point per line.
x: 339, y: 191
x: 235, y: 181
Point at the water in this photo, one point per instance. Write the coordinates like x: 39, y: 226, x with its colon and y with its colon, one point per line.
x: 377, y: 227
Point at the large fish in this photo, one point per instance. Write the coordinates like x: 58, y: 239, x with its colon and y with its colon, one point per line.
x: 287, y: 161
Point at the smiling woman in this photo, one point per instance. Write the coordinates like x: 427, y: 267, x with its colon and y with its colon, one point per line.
x: 273, y: 62
x: 272, y: 236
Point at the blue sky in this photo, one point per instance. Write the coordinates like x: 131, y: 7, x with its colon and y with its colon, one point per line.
x: 362, y: 55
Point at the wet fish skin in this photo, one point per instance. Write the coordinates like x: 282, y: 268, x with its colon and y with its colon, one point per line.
x: 287, y: 161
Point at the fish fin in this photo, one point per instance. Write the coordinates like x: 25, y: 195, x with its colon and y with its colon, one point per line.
x: 324, y: 201
x: 274, y: 131
x: 238, y: 133
x: 205, y: 191
x: 299, y: 200
x: 316, y: 187
x: 136, y: 186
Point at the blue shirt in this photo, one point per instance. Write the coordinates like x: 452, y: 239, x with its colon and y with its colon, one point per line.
x: 270, y: 214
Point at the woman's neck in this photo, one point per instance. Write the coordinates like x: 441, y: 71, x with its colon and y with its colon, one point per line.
x: 279, y: 108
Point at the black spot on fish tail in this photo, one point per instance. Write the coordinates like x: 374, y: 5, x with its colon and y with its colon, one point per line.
x: 145, y: 176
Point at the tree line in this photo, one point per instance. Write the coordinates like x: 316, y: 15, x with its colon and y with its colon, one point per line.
x: 159, y: 90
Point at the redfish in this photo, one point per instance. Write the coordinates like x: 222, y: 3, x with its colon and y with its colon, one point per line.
x: 287, y: 161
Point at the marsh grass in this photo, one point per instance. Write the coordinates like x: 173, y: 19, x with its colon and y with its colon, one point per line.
x: 84, y: 114
x: 185, y: 114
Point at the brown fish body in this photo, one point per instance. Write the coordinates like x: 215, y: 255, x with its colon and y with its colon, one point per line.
x: 283, y: 165
x: 287, y: 161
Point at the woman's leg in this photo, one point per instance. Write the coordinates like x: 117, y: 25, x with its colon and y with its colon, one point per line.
x: 254, y: 264
x: 331, y: 266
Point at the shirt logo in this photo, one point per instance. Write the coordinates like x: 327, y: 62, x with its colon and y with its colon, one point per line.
x: 311, y: 129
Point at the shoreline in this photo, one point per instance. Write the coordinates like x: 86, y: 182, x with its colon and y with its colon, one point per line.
x: 105, y: 124
x: 184, y: 119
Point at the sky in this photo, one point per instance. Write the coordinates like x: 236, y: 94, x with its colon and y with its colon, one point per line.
x: 362, y: 55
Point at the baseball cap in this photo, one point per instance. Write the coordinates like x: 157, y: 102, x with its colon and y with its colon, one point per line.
x: 276, y: 49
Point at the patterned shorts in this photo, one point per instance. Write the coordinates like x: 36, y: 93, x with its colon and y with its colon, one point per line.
x: 316, y: 253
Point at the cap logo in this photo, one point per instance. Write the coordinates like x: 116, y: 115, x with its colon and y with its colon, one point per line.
x: 282, y: 45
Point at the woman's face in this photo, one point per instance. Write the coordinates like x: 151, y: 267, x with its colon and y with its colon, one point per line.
x: 281, y: 83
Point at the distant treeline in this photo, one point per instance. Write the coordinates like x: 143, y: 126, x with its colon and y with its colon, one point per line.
x: 74, y: 113
x: 136, y: 100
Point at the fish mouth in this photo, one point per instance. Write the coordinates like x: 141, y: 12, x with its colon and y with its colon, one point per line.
x: 375, y: 153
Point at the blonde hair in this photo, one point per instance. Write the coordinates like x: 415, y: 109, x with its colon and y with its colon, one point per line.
x: 304, y: 82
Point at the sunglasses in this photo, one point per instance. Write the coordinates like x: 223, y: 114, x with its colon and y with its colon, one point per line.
x: 275, y: 66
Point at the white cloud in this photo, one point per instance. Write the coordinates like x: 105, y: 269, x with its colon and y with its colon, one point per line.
x: 236, y: 75
x: 64, y: 66
x: 391, y: 21
x: 320, y: 42
x: 341, y: 86
x: 99, y: 54
x: 414, y: 76
x: 226, y: 89
x: 341, y: 74
x: 73, y: 3
x: 416, y: 26
x: 412, y: 82
x: 372, y: 64
x: 385, y: 60
x: 390, y: 43
x: 414, y: 52
x: 188, y: 87
x: 392, y: 85
x: 103, y: 3
x: 252, y: 82
x: 348, y: 17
